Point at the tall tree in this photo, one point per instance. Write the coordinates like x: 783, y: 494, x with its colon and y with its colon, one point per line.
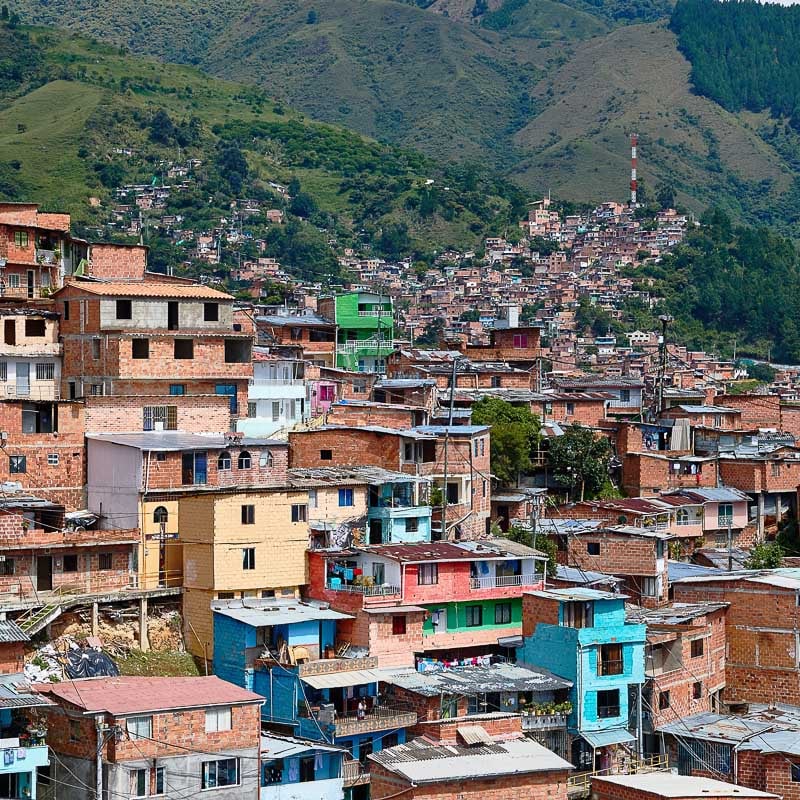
x: 580, y: 458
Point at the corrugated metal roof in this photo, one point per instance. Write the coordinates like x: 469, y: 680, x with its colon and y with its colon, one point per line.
x: 474, y: 734
x: 605, y: 738
x: 260, y: 613
x: 178, y: 440
x: 335, y: 680
x: 273, y: 746
x: 11, y: 632
x: 668, y: 784
x: 577, y: 593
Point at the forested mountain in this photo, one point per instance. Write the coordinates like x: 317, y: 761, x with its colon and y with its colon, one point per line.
x: 544, y: 91
x: 743, y: 53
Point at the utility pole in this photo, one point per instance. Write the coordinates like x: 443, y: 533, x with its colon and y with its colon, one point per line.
x: 662, y: 366
x: 100, y: 735
x: 730, y: 548
x: 446, y: 444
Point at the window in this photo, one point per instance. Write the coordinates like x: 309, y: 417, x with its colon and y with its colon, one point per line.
x: 276, y: 410
x: 296, y: 334
x: 160, y: 514
x: 267, y: 460
x: 326, y: 455
x: 71, y: 563
x: 795, y: 773
x: 593, y: 548
x: 244, y: 461
x: 160, y: 775
x: 610, y: 659
x: 223, y: 772
x: 124, y: 309
x: 312, y: 498
x: 502, y: 614
x: 17, y: 465
x: 13, y: 281
x: 427, y: 574
x: 625, y: 395
x: 496, y: 381
x: 140, y: 727
x: 578, y: 615
x: 412, y: 524
x: 21, y: 238
x: 211, y: 312
x: 299, y: 512
x: 66, y: 310
x: 483, y: 448
x: 177, y: 389
x: 34, y: 328
x: 96, y: 389
x: 164, y: 418
x: 663, y: 701
x: 95, y: 349
x: 52, y: 459
x: 194, y: 468
x: 248, y: 553
x: 520, y: 340
x: 475, y: 448
x: 608, y: 704
x: 39, y: 417
x: 474, y: 616
x: 224, y: 461
x: 45, y: 372
x: 184, y: 349
x: 650, y: 587
x: 3, y: 371
x: 140, y: 348
x: 218, y: 719
x: 237, y: 351
x: 161, y: 456
x: 272, y: 772
x: 570, y: 409
x: 398, y: 625
x: 105, y: 561
x: 724, y: 515
x: 252, y: 410
x: 697, y: 690
x: 75, y: 734
x: 776, y: 470
x: 345, y: 497
x: 307, y: 769
x: 7, y: 567
x: 696, y: 648
x: 452, y: 493
x: 248, y: 515
x: 139, y: 781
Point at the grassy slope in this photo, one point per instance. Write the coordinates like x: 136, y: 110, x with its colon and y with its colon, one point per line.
x: 451, y: 88
x: 93, y: 112
x: 634, y: 80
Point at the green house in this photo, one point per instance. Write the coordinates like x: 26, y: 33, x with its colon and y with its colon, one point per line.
x: 365, y: 329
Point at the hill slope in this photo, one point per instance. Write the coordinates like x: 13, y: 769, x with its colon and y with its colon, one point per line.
x: 546, y: 90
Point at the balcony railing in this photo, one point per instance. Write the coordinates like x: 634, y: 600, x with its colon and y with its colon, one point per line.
x: 374, y: 313
x: 689, y: 521
x: 356, y: 588
x: 499, y: 581
x: 45, y: 256
x: 43, y: 390
x: 724, y: 521
x: 538, y: 722
x: 276, y: 382
x: 365, y: 344
x: 378, y: 719
x: 354, y: 773
x: 610, y: 667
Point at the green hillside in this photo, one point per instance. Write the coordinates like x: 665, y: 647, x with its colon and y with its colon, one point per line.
x: 86, y: 118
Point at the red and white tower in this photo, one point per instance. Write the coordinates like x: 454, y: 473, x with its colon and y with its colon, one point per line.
x: 634, y: 145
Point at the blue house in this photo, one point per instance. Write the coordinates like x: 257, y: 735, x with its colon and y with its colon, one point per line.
x: 284, y: 651
x: 295, y: 769
x: 581, y: 634
x: 395, y: 515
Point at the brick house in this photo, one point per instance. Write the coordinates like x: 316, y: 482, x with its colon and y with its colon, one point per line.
x: 663, y: 785
x: 638, y: 555
x: 649, y: 474
x: 365, y: 413
x: 706, y: 416
x: 158, y: 736
x: 490, y: 760
x: 151, y: 337
x: 517, y: 346
x: 315, y: 335
x: 30, y: 368
x: 626, y: 393
x: 761, y: 628
x: 684, y: 664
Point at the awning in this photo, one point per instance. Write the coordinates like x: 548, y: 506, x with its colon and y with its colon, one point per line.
x: 335, y: 680
x: 509, y: 641
x: 474, y: 734
x: 605, y: 738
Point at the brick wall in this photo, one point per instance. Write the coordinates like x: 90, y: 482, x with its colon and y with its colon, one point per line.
x: 535, y: 610
x: 117, y: 262
x: 387, y: 416
x: 606, y: 790
x: 758, y: 411
x: 348, y: 448
x: 12, y: 657
x: 754, y: 475
x: 119, y: 414
x: 647, y: 475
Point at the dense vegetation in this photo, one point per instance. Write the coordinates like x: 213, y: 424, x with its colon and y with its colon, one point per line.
x: 728, y: 283
x: 743, y: 53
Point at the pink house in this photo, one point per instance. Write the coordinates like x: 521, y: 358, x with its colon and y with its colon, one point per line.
x: 323, y: 396
x: 708, y: 513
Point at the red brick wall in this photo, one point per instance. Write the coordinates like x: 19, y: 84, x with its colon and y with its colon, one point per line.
x: 117, y: 262
x: 536, y: 610
x: 605, y: 790
x: 349, y: 448
x: 12, y: 657
x: 755, y: 476
x: 118, y: 414
x: 387, y: 416
x: 646, y: 475
x: 758, y: 411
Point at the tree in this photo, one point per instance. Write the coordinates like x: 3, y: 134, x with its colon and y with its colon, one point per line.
x: 303, y: 205
x: 515, y: 431
x: 761, y: 372
x: 665, y: 195
x: 473, y: 315
x: 765, y: 555
x: 580, y: 458
x: 432, y: 332
x: 312, y: 17
x: 394, y: 241
x: 162, y: 128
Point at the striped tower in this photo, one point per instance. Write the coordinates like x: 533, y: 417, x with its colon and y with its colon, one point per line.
x: 634, y: 145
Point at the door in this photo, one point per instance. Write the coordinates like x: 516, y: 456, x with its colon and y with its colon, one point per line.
x: 228, y: 390
x: 375, y: 531
x: 44, y: 573
x: 31, y: 282
x: 10, y: 331
x: 172, y: 316
x: 23, y: 379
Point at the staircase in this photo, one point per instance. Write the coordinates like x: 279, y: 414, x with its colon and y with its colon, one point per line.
x: 35, y: 619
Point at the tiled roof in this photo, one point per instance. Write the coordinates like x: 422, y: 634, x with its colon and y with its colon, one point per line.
x: 150, y: 289
x: 138, y: 695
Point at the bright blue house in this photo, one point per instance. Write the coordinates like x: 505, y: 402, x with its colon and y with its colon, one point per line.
x: 581, y: 634
x: 284, y: 651
x: 295, y: 769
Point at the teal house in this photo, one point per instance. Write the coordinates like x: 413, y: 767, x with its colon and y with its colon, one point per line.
x: 364, y: 329
x: 581, y: 634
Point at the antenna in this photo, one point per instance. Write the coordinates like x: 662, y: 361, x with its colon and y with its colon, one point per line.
x: 634, y: 146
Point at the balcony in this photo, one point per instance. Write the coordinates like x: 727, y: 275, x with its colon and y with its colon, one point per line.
x: 277, y: 382
x: 544, y: 722
x: 363, y: 589
x: 325, y: 666
x: 376, y: 313
x: 47, y: 257
x: 381, y: 718
x: 354, y: 774
x: 725, y: 521
x: 500, y: 581
x: 373, y: 345
x: 42, y: 390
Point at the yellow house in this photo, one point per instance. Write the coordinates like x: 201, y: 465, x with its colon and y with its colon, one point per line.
x: 161, y: 552
x: 239, y: 543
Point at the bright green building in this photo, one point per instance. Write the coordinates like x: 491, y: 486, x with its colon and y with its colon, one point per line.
x: 365, y: 329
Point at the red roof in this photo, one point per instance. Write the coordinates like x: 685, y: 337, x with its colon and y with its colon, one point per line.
x: 128, y: 694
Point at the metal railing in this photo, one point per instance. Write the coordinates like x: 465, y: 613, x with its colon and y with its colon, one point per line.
x: 609, y: 666
x: 276, y: 382
x: 354, y: 773
x: 45, y: 256
x: 628, y: 766
x: 374, y: 313
x: 498, y: 581
x: 42, y: 390
x: 724, y: 521
x: 357, y: 588
x: 365, y: 344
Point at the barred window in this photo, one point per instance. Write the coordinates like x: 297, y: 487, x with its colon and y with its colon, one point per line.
x: 45, y: 372
x: 166, y: 415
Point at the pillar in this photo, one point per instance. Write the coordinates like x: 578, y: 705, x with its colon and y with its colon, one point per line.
x: 144, y: 643
x: 760, y: 517
x: 95, y: 622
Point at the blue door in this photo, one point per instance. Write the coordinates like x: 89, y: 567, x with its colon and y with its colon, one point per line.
x: 229, y: 390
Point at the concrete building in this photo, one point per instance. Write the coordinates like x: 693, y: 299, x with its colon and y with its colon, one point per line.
x: 30, y: 354
x: 170, y: 737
